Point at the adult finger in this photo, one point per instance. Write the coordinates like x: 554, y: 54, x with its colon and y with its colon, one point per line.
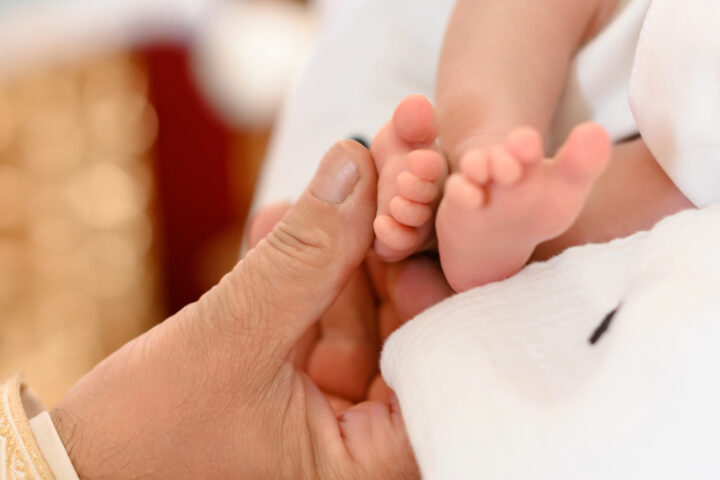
x: 345, y: 357
x: 294, y: 274
x: 416, y: 285
x: 341, y: 354
x: 264, y: 221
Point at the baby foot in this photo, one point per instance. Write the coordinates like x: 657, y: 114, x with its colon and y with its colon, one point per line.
x: 506, y: 201
x: 410, y: 171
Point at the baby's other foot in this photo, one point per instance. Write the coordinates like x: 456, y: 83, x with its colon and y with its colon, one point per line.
x: 506, y: 201
x: 410, y: 171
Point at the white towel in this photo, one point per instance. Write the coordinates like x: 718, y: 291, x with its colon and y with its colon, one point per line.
x: 503, y: 382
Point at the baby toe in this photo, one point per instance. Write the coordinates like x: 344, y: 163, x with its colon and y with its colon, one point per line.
x: 475, y: 166
x: 414, y: 120
x: 525, y: 144
x: 393, y: 239
x: 463, y: 194
x: 505, y: 169
x: 586, y: 152
x: 426, y: 164
x: 409, y: 213
x: 415, y: 189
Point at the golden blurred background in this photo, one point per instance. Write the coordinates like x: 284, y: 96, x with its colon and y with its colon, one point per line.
x: 122, y: 198
x: 78, y: 275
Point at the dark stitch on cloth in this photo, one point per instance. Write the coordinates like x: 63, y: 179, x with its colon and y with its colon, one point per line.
x: 603, y: 327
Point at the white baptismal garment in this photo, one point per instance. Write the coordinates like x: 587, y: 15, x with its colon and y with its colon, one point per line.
x: 375, y: 53
x: 601, y: 363
x: 675, y: 93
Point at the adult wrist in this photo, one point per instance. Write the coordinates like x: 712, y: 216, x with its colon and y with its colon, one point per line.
x: 69, y: 433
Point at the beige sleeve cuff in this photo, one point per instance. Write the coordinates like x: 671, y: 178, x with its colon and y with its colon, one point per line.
x: 29, y: 449
x: 52, y: 447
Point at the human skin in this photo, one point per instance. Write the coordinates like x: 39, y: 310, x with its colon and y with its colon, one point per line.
x: 216, y: 392
x: 407, y: 288
x: 496, y: 211
x: 632, y: 195
x: 483, y: 92
x: 491, y: 79
x: 504, y: 65
x: 503, y: 204
x: 339, y: 359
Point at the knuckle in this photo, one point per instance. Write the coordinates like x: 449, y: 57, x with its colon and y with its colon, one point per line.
x: 311, y: 246
x: 235, y: 314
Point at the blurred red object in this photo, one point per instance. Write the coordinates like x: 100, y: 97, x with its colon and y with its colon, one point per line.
x: 195, y: 201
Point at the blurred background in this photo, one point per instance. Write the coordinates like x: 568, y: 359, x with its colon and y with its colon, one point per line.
x: 131, y: 136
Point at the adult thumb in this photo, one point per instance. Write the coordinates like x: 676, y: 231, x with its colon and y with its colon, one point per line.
x: 294, y: 274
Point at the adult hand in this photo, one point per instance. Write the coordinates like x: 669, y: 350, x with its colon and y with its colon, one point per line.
x: 341, y: 352
x: 214, y: 391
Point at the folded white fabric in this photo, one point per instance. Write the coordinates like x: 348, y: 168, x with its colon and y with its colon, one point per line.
x: 675, y: 93
x: 600, y: 363
x: 375, y: 53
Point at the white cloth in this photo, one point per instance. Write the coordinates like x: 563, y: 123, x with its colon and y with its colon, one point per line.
x: 501, y: 382
x: 374, y: 54
x: 675, y: 93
